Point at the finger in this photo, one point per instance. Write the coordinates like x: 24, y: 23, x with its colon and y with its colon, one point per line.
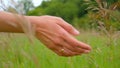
x: 73, y: 48
x: 74, y: 42
x: 84, y: 45
x: 67, y: 53
x: 83, y: 51
x: 69, y: 28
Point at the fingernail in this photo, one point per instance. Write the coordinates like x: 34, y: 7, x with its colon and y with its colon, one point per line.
x: 76, y: 31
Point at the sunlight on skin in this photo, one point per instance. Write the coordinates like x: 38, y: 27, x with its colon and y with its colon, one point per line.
x: 51, y: 34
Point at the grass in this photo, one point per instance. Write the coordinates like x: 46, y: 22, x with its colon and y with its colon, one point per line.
x: 17, y: 52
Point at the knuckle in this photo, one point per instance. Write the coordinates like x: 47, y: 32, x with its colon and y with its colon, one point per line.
x: 57, y: 41
x: 62, y: 33
x: 59, y: 19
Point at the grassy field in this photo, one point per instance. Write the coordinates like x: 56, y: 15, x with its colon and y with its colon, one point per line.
x: 17, y: 52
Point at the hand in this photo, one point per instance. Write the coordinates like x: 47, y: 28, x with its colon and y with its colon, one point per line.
x: 57, y: 35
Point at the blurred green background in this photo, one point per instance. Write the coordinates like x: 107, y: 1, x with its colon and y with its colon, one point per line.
x: 82, y: 13
x: 97, y: 20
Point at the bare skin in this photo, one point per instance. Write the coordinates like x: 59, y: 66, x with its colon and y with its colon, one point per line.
x: 52, y: 31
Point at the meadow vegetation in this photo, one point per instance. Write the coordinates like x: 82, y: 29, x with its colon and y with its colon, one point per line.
x: 98, y: 23
x: 17, y: 52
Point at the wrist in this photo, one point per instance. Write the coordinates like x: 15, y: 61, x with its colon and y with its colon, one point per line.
x: 31, y: 19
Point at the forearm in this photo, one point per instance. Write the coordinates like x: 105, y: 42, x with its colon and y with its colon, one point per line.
x: 10, y: 22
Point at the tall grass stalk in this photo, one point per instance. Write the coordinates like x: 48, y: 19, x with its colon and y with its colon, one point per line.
x: 16, y: 52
